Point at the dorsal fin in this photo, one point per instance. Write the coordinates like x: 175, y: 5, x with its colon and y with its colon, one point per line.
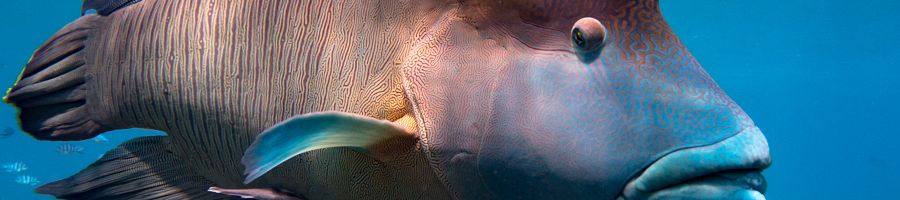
x: 105, y: 7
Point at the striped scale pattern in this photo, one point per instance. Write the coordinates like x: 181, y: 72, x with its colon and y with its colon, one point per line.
x: 214, y: 73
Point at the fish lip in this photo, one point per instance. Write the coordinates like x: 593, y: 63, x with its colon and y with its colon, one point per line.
x: 744, y: 153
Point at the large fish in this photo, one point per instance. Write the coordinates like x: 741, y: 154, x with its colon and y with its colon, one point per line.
x: 392, y: 99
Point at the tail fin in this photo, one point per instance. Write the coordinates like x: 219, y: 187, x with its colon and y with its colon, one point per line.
x: 138, y: 169
x: 50, y: 92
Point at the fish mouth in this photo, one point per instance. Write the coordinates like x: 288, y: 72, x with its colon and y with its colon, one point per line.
x: 729, y: 169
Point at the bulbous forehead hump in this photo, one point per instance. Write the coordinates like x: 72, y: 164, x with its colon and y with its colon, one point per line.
x: 556, y: 14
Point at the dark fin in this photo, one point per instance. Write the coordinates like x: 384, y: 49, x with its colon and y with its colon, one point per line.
x: 50, y: 92
x: 322, y: 130
x: 141, y: 168
x: 105, y: 7
x: 255, y: 193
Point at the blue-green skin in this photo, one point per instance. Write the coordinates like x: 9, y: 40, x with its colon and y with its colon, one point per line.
x: 534, y: 116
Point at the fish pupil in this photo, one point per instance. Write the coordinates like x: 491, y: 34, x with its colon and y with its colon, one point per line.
x: 578, y: 37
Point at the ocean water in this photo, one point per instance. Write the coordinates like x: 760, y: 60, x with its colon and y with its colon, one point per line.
x: 819, y: 77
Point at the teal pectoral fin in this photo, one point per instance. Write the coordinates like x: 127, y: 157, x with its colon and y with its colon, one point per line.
x: 321, y: 130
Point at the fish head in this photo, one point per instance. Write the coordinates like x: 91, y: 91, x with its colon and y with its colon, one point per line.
x: 575, y: 99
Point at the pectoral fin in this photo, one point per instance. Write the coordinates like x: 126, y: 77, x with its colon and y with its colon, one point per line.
x: 308, y: 132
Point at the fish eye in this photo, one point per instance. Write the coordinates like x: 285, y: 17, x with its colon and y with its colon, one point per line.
x: 588, y: 35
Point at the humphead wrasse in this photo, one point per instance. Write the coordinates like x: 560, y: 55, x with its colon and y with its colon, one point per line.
x: 389, y: 99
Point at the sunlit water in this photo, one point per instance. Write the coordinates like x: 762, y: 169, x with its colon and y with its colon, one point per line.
x: 819, y: 77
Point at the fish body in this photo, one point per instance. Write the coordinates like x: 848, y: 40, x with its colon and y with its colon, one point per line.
x: 27, y: 180
x: 470, y: 99
x: 15, y: 167
x: 69, y: 149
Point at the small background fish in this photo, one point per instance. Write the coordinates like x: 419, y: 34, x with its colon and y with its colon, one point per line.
x: 100, y: 139
x: 7, y: 132
x: 15, y: 167
x: 27, y: 180
x: 67, y: 149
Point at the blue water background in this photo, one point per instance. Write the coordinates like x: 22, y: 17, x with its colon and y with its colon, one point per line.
x: 819, y: 77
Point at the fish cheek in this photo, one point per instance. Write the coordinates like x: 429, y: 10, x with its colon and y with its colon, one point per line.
x: 448, y: 79
x: 537, y: 147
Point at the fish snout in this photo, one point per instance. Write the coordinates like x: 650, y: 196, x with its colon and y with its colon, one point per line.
x: 729, y: 169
